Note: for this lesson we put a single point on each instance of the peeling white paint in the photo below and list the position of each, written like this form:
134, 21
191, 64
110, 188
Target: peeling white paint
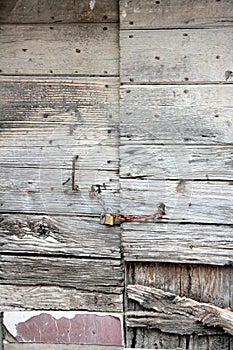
92, 4
124, 13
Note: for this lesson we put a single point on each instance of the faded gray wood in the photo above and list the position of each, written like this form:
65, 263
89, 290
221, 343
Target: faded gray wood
174, 162
38, 346
177, 114
46, 191
33, 11
176, 14
169, 56
34, 49
74, 236
178, 243
75, 101
186, 201
186, 311
96, 275
16, 297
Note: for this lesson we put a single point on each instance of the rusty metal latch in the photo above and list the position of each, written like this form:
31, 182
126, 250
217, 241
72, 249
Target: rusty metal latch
114, 219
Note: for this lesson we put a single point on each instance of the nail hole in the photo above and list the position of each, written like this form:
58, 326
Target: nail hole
186, 79
105, 28
131, 23
78, 50
24, 50
186, 91
128, 174
216, 115
52, 17
106, 85
105, 72
50, 142
131, 79
51, 188
1, 204
109, 131
76, 71
130, 36
217, 57
0, 71
157, 2
110, 116
110, 180
105, 17
129, 136
51, 28
108, 161
128, 91
46, 115
157, 57
185, 34
51, 71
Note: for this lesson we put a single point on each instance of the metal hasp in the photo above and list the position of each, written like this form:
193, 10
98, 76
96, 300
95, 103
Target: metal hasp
114, 219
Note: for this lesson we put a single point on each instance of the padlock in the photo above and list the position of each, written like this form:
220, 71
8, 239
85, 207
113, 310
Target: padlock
107, 219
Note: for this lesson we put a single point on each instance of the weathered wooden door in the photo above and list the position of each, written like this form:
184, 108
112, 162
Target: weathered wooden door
119, 106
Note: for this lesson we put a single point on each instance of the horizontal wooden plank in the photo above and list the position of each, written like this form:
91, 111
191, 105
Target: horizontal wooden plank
96, 275
34, 49
177, 114
174, 162
176, 14
177, 243
49, 191
61, 235
76, 101
33, 11
57, 135
95, 157
57, 298
169, 56
186, 201
189, 316
39, 346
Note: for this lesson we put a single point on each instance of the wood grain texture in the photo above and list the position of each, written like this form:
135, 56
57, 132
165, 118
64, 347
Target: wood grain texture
83, 49
192, 315
27, 11
89, 101
83, 237
200, 282
96, 275
178, 243
45, 191
177, 114
16, 297
173, 162
176, 14
169, 56
186, 201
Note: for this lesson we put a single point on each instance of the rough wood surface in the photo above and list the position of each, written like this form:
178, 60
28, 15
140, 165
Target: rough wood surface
200, 282
34, 49
16, 297
176, 14
186, 201
178, 243
61, 235
76, 101
177, 114
96, 275
43, 11
170, 56
35, 190
184, 309
174, 162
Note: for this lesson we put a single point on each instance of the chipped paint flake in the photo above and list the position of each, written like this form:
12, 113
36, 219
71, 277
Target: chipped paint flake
92, 4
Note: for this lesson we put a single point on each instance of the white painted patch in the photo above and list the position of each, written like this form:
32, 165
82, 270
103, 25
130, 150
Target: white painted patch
92, 4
